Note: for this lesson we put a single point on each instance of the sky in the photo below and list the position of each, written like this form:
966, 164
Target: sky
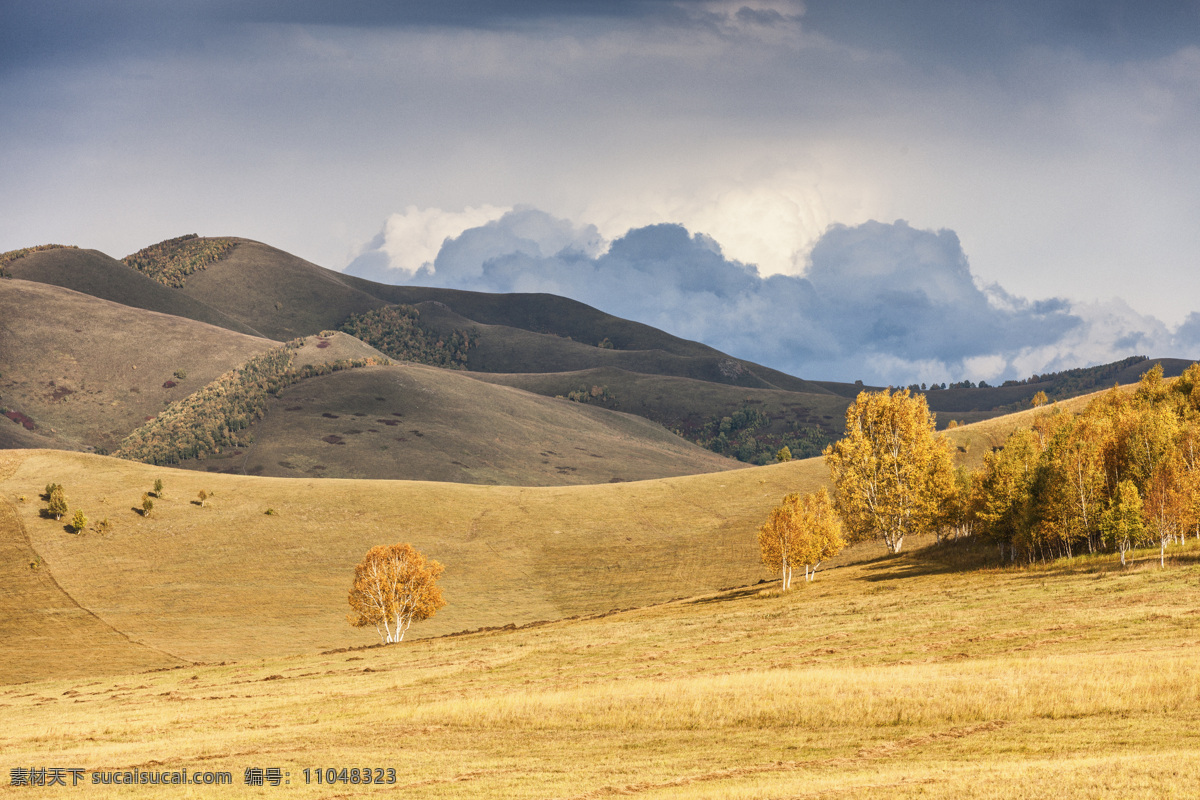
842, 189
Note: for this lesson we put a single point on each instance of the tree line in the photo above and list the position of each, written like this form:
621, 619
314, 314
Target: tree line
8, 258
1122, 473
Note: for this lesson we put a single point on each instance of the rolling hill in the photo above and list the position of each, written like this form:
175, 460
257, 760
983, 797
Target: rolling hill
213, 638
541, 343
94, 273
413, 422
78, 372
227, 580
83, 372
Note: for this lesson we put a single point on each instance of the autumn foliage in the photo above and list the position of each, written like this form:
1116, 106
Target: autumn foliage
891, 473
1124, 472
802, 530
394, 586
397, 331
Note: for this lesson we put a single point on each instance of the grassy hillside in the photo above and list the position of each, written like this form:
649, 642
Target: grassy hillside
235, 582
891, 678
688, 405
78, 372
85, 372
504, 349
279, 294
582, 325
92, 272
415, 422
931, 674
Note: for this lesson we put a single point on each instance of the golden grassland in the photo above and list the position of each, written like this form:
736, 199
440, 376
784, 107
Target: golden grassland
926, 675
892, 677
227, 580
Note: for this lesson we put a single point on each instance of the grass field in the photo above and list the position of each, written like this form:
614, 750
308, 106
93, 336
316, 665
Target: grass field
213, 639
227, 580
898, 677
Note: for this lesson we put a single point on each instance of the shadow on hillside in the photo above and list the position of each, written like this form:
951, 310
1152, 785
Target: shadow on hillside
1106, 563
933, 559
893, 568
731, 594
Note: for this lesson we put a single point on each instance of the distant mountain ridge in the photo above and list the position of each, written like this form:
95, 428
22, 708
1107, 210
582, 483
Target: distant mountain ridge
542, 343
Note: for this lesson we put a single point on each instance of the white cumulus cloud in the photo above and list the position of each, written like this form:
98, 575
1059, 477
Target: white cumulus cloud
888, 303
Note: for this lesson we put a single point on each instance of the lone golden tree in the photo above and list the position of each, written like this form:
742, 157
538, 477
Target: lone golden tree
890, 472
802, 530
56, 501
394, 586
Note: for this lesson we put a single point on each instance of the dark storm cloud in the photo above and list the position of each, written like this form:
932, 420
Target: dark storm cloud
879, 302
940, 31
453, 13
59, 32
979, 33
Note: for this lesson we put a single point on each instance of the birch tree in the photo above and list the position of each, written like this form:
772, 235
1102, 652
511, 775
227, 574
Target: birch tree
821, 532
890, 472
1121, 521
801, 531
56, 501
394, 586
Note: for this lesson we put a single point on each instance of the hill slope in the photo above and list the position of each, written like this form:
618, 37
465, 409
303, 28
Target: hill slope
284, 297
78, 372
413, 422
889, 679
229, 581
86, 371
92, 272
257, 287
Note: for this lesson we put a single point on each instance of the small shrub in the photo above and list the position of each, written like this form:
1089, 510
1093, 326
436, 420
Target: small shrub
180, 374
147, 505
56, 502
79, 521
270, 512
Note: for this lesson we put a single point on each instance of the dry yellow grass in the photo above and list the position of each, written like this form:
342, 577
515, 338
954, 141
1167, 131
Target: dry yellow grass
229, 581
889, 678
972, 442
